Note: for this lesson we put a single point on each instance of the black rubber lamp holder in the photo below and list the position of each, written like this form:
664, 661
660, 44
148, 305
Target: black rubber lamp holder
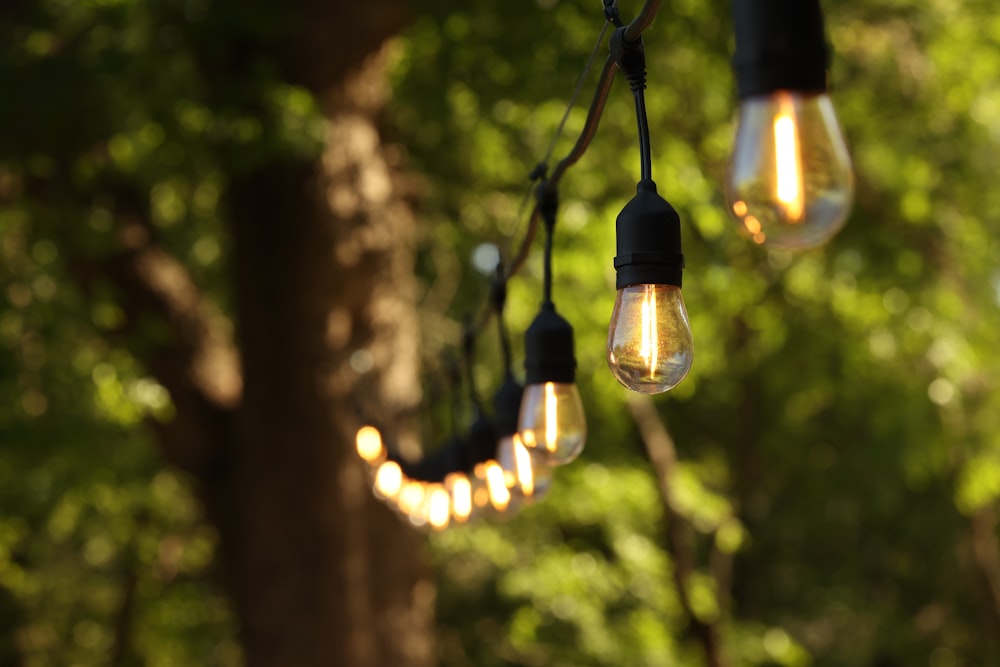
780, 45
648, 232
507, 406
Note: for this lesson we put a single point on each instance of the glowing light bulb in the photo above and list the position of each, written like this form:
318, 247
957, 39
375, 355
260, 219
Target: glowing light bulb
552, 422
496, 486
388, 480
650, 348
438, 507
480, 493
649, 339
790, 183
527, 477
458, 485
410, 500
368, 443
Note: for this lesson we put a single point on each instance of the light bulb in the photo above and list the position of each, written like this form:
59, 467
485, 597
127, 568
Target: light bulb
480, 492
496, 486
411, 502
649, 338
552, 423
790, 183
460, 489
389, 480
650, 348
368, 442
526, 476
438, 507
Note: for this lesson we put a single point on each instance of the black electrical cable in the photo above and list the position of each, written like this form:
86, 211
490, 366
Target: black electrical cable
498, 298
643, 122
482, 435
548, 205
643, 20
631, 34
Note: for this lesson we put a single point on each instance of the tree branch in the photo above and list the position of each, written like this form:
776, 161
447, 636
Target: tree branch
680, 535
196, 360
986, 555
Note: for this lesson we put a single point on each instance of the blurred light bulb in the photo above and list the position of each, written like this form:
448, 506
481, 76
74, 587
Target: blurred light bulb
552, 422
650, 347
527, 477
480, 494
517, 464
460, 489
368, 442
790, 182
496, 486
388, 480
438, 507
411, 497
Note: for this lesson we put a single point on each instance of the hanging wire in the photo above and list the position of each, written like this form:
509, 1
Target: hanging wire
575, 95
540, 170
632, 33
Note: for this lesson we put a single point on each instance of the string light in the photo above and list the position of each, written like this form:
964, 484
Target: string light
650, 347
551, 423
790, 185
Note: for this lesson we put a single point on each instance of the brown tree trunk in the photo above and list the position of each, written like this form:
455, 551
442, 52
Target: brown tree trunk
321, 572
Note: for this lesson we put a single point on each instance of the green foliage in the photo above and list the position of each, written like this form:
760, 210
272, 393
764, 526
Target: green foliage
840, 421
837, 435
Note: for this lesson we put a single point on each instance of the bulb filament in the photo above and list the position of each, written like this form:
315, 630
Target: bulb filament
496, 486
787, 159
551, 415
522, 465
648, 348
439, 508
461, 496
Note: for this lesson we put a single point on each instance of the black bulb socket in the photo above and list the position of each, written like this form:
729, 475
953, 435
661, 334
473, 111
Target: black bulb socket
507, 406
436, 465
548, 349
780, 45
481, 443
648, 232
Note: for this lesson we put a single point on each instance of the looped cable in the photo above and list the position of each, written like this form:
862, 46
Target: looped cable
611, 13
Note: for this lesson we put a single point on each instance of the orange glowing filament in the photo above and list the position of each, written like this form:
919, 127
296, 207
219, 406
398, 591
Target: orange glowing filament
438, 507
369, 443
648, 348
522, 464
787, 161
410, 498
461, 496
499, 495
551, 415
388, 479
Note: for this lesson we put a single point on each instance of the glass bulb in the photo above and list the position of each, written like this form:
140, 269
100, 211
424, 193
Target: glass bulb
496, 486
790, 182
368, 442
552, 423
650, 348
527, 478
460, 489
389, 480
411, 502
438, 507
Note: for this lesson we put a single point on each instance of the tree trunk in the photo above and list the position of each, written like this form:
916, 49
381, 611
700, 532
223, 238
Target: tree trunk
320, 571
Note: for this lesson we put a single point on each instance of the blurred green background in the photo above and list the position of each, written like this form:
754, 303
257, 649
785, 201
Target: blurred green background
838, 454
